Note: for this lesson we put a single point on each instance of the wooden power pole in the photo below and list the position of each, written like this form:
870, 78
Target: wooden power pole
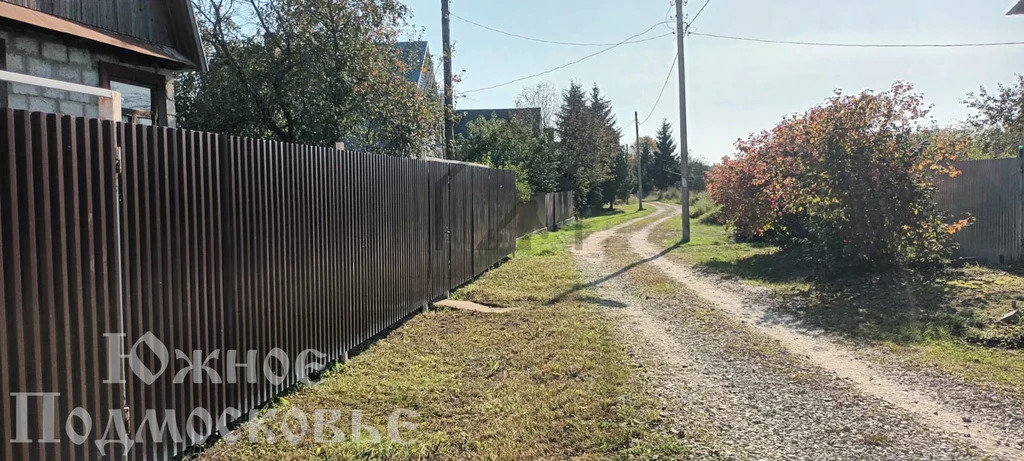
639, 164
684, 154
449, 92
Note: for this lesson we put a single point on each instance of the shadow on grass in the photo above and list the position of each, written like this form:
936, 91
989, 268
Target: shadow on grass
603, 302
583, 286
898, 306
773, 268
603, 212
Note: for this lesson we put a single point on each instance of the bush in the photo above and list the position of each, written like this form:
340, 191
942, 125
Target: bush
670, 195
701, 203
846, 180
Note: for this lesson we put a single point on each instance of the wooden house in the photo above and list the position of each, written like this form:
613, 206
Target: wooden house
131, 46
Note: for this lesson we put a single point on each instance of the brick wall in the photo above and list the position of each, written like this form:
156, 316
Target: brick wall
45, 56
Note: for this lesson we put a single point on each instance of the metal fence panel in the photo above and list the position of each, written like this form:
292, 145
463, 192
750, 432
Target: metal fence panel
212, 243
59, 266
542, 211
992, 191
462, 233
439, 228
531, 216
562, 208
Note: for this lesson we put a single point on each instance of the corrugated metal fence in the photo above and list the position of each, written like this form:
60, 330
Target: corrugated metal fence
562, 208
993, 192
544, 211
193, 241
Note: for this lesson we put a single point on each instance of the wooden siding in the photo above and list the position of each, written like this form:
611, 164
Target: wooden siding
148, 20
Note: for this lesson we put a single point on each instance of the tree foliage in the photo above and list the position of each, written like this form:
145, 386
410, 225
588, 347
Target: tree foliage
998, 121
621, 181
846, 179
665, 164
588, 142
543, 96
696, 174
648, 146
308, 71
512, 144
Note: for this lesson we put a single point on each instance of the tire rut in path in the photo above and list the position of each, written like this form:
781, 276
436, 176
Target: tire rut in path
756, 409
745, 304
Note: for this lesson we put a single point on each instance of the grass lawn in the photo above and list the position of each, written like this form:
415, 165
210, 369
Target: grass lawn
541, 382
945, 320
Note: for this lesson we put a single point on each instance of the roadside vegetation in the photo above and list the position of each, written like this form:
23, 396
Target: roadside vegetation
544, 381
945, 318
833, 209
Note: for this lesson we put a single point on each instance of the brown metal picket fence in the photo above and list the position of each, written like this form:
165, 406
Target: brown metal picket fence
209, 243
544, 211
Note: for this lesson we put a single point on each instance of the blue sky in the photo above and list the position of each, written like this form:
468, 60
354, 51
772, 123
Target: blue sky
734, 88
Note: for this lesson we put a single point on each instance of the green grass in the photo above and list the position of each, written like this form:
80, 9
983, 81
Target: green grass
712, 247
943, 320
547, 381
552, 242
701, 204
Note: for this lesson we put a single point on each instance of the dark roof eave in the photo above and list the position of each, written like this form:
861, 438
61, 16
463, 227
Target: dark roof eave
196, 39
1017, 9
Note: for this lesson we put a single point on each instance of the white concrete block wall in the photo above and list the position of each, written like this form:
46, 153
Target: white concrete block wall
45, 56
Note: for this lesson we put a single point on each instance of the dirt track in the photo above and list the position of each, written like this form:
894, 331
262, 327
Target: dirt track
812, 398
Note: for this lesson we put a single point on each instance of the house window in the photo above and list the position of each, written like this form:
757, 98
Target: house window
143, 94
136, 102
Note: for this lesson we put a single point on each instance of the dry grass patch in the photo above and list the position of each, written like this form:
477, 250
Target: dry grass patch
548, 381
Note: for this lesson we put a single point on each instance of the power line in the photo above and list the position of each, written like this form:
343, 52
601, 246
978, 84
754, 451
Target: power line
668, 13
858, 45
563, 66
663, 86
690, 24
553, 42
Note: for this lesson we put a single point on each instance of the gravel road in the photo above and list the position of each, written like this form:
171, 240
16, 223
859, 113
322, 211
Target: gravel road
744, 383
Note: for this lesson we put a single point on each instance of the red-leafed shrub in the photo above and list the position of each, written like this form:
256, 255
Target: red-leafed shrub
851, 179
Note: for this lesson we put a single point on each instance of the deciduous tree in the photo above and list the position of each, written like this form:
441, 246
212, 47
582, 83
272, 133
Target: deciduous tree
511, 144
621, 182
998, 119
696, 174
543, 96
846, 179
309, 71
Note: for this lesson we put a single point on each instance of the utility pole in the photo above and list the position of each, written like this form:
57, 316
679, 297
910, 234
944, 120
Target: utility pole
639, 164
449, 92
684, 154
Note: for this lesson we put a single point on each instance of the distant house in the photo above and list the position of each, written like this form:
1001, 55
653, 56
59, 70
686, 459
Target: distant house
419, 65
1017, 9
530, 115
131, 46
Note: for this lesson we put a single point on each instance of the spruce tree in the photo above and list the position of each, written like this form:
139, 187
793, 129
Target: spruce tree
604, 146
571, 126
665, 163
588, 142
